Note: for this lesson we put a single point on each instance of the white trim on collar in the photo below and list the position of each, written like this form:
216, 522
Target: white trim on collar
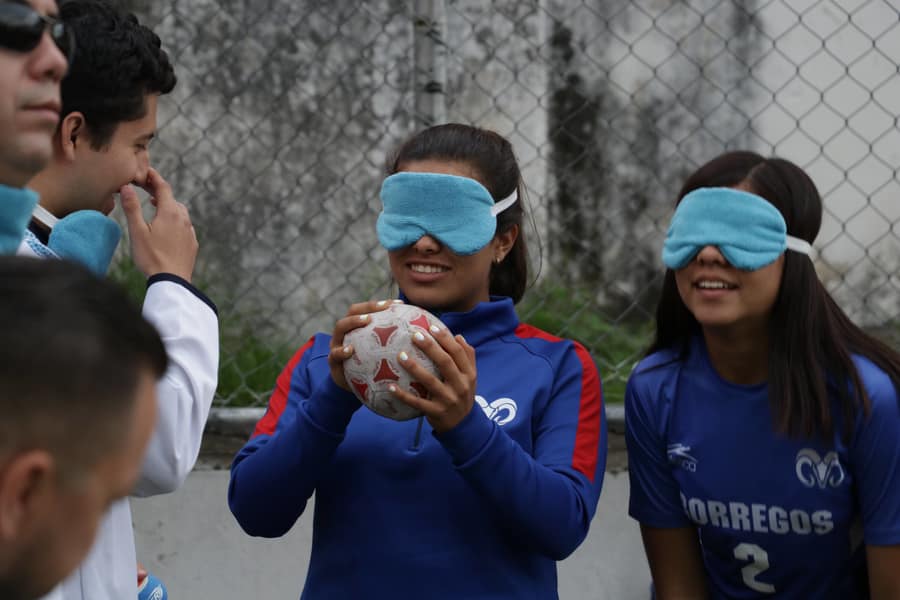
44, 216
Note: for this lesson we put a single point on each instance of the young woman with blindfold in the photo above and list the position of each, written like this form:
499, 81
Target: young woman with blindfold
470, 501
763, 426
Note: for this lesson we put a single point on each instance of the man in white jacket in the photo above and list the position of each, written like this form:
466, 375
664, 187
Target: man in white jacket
100, 149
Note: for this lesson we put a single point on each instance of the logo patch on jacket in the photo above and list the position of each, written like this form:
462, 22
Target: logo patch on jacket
501, 411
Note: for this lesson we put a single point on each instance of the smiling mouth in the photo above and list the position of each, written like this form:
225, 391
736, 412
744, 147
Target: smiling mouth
714, 285
427, 269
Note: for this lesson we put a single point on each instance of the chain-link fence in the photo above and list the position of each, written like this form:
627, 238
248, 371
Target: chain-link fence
277, 133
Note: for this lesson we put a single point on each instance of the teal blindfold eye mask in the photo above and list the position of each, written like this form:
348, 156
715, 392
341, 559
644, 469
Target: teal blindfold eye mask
458, 211
747, 229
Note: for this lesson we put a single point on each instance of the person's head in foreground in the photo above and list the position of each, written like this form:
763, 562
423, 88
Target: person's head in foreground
452, 218
109, 101
78, 372
33, 50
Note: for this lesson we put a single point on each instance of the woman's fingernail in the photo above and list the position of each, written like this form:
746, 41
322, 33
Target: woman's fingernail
403, 357
392, 388
434, 329
419, 337
347, 350
398, 301
381, 303
363, 318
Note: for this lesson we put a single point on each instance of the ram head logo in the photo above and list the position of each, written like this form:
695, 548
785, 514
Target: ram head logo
812, 470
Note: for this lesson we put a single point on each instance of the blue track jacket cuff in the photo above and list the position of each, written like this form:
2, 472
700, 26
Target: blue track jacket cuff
331, 407
467, 439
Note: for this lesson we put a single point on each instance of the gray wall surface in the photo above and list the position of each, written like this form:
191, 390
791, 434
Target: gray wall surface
190, 540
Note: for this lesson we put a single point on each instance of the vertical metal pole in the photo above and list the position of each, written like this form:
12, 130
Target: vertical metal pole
430, 54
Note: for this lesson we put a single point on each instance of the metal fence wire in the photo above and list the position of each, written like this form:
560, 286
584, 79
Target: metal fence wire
277, 133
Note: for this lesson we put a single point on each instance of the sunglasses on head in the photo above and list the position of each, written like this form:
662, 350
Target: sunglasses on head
22, 27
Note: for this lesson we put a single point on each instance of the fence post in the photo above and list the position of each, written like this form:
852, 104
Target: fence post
429, 54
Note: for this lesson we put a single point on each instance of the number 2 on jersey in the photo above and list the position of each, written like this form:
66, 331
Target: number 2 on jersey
759, 562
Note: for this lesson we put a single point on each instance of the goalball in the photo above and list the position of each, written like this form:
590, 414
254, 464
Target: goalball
374, 366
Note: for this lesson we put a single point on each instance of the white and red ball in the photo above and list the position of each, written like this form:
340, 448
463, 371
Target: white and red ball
374, 365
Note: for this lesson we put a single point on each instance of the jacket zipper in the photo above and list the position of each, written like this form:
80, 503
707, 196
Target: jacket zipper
417, 440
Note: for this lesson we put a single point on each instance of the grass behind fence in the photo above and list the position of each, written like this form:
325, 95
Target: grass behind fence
573, 313
249, 364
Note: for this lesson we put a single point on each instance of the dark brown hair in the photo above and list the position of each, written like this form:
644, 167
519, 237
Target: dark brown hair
119, 62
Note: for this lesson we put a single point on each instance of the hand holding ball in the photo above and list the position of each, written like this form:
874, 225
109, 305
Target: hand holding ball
374, 366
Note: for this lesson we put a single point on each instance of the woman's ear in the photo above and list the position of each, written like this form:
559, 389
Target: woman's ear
504, 242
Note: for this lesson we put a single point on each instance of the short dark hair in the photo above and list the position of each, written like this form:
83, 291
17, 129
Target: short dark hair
492, 157
73, 349
810, 338
119, 62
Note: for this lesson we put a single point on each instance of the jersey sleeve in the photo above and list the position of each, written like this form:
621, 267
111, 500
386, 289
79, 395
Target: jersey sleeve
655, 499
547, 500
876, 460
187, 322
276, 472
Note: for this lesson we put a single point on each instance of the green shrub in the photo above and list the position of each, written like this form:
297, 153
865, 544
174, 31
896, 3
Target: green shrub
248, 365
123, 272
616, 345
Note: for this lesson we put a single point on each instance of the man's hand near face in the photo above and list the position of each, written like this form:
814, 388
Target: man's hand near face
168, 243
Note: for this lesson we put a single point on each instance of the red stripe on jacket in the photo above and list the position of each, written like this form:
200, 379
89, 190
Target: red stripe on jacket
587, 435
269, 421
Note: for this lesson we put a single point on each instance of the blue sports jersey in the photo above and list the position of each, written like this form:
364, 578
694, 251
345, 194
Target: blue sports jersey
777, 516
483, 510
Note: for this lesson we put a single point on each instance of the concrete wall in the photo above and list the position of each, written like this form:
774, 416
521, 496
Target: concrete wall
190, 540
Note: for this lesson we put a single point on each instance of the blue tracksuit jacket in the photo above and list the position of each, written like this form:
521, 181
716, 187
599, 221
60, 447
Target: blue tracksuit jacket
482, 511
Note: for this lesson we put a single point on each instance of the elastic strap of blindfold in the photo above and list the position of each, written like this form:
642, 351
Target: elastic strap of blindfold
499, 207
798, 245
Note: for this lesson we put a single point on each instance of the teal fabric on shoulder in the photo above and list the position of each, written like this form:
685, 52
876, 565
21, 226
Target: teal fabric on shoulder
16, 205
747, 229
88, 237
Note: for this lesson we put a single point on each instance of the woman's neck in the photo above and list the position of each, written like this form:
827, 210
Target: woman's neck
739, 357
